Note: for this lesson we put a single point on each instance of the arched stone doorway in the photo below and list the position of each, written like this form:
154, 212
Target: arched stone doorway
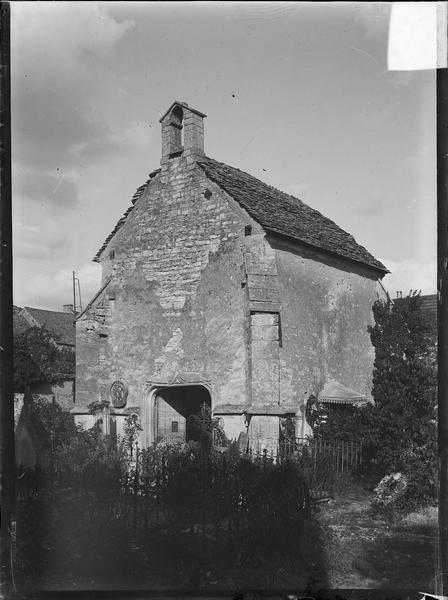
170, 408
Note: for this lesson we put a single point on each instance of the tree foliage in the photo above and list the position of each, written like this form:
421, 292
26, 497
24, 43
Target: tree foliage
57, 425
404, 385
206, 429
38, 359
398, 432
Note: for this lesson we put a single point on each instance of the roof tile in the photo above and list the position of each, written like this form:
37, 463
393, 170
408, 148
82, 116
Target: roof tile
276, 211
285, 215
60, 325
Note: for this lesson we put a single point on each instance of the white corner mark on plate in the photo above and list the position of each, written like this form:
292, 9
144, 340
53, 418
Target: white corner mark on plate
417, 36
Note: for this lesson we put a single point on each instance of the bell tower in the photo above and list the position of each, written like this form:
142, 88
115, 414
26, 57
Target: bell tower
182, 132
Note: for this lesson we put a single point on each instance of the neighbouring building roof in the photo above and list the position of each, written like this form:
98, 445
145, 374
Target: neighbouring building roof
336, 393
277, 212
60, 325
429, 305
20, 324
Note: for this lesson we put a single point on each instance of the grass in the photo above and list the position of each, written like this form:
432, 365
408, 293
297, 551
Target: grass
363, 551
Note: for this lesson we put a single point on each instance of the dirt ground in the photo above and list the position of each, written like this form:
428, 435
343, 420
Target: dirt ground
366, 552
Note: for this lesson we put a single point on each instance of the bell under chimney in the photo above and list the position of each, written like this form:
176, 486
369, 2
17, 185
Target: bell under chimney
182, 132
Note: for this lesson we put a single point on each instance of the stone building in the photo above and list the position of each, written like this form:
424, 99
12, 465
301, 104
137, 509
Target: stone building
220, 289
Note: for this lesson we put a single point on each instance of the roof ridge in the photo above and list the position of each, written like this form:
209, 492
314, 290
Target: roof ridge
60, 312
277, 211
95, 297
279, 191
273, 208
253, 177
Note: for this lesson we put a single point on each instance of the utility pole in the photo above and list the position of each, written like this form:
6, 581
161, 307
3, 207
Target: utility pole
74, 292
77, 308
7, 459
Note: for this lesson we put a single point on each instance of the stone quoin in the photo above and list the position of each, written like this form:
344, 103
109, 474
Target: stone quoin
220, 289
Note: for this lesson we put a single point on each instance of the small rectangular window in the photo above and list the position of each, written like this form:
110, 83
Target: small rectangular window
174, 426
112, 254
248, 230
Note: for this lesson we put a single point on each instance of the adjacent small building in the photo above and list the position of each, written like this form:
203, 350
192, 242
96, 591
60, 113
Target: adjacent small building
220, 289
32, 437
60, 326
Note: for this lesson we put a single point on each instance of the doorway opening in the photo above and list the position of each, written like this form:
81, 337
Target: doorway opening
180, 412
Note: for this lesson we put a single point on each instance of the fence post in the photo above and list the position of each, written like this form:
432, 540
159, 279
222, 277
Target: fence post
136, 482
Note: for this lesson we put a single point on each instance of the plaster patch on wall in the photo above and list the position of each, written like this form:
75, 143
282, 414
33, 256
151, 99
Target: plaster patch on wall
173, 348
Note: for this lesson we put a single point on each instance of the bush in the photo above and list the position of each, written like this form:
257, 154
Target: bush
389, 493
95, 490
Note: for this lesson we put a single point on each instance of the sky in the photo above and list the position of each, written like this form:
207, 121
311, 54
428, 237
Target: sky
297, 94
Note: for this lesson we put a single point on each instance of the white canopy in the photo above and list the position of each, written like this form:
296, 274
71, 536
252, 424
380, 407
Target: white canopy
336, 393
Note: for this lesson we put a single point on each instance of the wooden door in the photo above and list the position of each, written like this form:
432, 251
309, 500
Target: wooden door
170, 424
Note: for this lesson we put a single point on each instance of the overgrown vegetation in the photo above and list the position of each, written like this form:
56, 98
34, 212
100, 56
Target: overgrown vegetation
398, 432
38, 359
173, 515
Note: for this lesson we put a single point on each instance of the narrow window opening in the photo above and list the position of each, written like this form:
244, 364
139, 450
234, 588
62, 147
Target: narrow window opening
280, 336
176, 131
112, 254
174, 426
248, 230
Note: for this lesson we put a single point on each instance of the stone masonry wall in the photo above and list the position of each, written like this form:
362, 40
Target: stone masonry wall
175, 300
190, 294
326, 310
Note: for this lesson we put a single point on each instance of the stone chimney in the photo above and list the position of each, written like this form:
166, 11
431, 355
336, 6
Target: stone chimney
182, 132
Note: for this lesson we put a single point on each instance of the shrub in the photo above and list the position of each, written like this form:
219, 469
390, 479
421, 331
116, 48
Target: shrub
222, 501
389, 492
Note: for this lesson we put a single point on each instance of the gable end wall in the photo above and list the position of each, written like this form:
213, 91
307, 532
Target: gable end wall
176, 301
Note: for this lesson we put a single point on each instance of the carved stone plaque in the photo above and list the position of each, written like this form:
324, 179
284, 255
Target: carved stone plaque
119, 394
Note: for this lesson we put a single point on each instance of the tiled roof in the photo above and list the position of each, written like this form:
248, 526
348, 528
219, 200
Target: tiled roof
285, 215
112, 233
60, 325
276, 211
429, 305
122, 219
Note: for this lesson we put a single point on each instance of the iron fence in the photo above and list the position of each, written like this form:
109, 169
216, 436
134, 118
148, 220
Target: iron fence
343, 455
215, 494
211, 495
